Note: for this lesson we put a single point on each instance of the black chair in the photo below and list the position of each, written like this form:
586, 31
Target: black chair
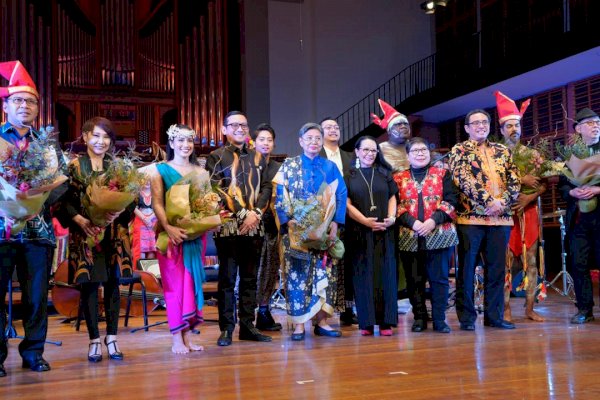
132, 280
125, 281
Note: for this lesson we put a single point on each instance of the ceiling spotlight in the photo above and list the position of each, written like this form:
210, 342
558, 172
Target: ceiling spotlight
428, 7
441, 3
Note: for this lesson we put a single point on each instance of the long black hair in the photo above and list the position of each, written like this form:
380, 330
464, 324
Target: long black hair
379, 160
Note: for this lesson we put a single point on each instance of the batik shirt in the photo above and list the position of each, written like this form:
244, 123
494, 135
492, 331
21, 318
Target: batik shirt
241, 174
484, 172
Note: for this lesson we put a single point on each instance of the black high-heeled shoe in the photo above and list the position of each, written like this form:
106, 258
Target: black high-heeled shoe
113, 355
96, 355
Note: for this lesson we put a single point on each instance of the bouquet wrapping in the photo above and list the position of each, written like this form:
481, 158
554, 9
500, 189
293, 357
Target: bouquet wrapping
313, 214
111, 192
584, 172
29, 171
191, 204
535, 160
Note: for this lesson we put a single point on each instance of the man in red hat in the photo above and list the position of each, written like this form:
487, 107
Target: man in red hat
524, 236
32, 249
398, 129
583, 228
394, 152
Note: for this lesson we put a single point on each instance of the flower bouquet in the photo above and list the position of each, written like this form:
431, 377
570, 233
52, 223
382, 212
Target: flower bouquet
313, 214
582, 170
192, 204
536, 160
29, 171
529, 161
112, 191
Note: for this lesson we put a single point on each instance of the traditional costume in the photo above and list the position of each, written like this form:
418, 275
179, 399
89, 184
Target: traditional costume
523, 244
427, 193
310, 284
181, 272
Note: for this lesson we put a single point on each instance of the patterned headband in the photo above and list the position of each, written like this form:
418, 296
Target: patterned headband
174, 132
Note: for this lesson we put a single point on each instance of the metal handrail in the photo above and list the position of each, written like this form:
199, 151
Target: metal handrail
412, 80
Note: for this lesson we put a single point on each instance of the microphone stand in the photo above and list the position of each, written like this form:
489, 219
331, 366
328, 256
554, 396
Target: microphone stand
568, 288
11, 332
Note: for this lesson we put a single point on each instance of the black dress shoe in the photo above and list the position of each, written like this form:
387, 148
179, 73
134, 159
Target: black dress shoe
329, 333
348, 318
467, 326
224, 339
298, 337
419, 325
251, 333
441, 326
582, 317
37, 365
2, 371
265, 321
502, 324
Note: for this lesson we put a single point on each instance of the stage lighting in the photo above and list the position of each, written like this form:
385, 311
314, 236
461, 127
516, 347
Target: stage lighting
441, 3
428, 7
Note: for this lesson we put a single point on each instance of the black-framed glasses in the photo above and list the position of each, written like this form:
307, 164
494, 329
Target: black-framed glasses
237, 125
483, 122
17, 101
422, 150
369, 151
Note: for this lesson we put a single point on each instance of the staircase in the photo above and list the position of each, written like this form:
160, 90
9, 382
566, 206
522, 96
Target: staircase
499, 51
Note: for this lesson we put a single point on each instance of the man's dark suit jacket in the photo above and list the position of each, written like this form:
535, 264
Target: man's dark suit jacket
347, 159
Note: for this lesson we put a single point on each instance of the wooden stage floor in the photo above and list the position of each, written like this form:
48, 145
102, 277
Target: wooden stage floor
550, 360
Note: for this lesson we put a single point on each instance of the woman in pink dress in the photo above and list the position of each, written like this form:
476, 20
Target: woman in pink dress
181, 270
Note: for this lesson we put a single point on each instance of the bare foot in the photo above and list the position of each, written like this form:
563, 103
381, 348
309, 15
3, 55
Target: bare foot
532, 315
529, 313
179, 346
187, 340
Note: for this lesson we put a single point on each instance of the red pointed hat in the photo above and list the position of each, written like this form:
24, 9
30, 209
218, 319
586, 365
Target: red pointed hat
390, 116
18, 79
507, 109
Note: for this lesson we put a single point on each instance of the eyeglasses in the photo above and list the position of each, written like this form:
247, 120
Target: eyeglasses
483, 122
332, 127
419, 151
369, 151
236, 126
19, 100
592, 122
310, 139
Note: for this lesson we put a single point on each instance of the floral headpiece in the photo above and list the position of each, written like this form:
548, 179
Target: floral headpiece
174, 132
